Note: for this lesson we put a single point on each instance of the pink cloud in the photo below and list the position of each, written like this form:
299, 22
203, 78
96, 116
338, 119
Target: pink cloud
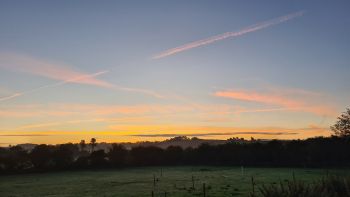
47, 69
61, 72
286, 102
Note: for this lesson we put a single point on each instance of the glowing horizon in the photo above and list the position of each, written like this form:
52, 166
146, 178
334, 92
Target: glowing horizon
88, 73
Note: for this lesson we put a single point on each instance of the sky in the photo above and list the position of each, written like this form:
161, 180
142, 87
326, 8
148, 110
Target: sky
124, 71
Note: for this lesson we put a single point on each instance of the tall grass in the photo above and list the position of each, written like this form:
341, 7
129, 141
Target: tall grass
331, 186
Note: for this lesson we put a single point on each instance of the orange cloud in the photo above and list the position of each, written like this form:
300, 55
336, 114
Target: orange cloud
287, 103
79, 121
66, 110
219, 131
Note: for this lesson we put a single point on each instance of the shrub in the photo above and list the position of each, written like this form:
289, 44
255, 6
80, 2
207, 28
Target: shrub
326, 187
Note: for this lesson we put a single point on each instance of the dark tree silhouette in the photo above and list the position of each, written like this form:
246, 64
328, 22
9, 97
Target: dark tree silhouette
342, 127
82, 145
147, 155
312, 152
64, 155
92, 144
98, 159
14, 159
41, 156
173, 155
117, 155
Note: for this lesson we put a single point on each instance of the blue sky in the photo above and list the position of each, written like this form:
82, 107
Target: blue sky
296, 70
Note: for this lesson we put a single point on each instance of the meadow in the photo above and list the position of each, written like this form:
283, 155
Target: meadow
163, 181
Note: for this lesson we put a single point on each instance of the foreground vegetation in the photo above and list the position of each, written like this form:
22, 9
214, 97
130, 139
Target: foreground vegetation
138, 182
329, 186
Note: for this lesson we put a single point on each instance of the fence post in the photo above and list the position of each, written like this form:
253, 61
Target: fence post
152, 193
192, 181
203, 189
154, 180
294, 177
253, 185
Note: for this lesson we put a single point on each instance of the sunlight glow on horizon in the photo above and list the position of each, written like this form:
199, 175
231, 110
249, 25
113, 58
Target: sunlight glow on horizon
88, 73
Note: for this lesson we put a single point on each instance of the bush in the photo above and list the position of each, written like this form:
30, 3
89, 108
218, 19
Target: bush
326, 187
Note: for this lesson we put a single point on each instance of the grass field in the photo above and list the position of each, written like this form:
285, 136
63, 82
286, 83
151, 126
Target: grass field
138, 182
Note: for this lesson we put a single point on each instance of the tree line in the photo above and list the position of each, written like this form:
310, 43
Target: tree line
313, 152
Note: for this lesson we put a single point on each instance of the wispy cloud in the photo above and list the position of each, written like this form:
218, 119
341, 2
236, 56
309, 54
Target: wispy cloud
215, 134
224, 132
80, 121
24, 135
64, 73
93, 110
11, 96
61, 72
82, 77
223, 36
139, 90
286, 102
125, 131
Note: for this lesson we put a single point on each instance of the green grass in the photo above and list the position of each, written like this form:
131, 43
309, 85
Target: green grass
138, 182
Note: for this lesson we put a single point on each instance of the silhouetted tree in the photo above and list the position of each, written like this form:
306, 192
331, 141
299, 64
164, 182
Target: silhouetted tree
41, 156
117, 155
173, 155
14, 159
312, 152
81, 163
92, 144
146, 155
82, 145
3, 155
98, 159
342, 127
64, 155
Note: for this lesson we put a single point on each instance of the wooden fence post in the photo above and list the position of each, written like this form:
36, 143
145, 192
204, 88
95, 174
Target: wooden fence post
294, 177
204, 190
253, 185
154, 180
192, 181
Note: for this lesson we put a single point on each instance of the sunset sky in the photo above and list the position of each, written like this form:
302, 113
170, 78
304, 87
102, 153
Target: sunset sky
149, 70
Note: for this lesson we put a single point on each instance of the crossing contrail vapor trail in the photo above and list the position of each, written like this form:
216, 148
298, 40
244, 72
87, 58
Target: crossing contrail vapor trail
10, 97
82, 77
219, 37
52, 85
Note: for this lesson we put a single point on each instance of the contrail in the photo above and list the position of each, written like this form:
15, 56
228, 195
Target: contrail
138, 90
52, 85
10, 97
43, 68
63, 73
82, 77
219, 37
